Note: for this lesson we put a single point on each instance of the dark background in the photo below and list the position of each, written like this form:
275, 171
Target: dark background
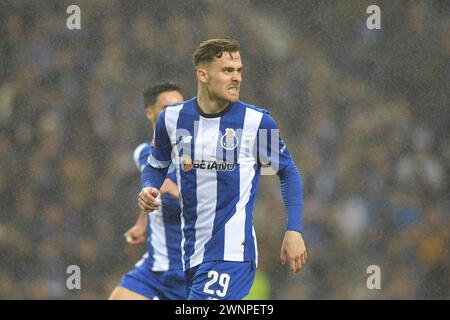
364, 114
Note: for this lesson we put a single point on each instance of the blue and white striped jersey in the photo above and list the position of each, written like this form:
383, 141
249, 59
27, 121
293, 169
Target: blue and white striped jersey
164, 224
218, 161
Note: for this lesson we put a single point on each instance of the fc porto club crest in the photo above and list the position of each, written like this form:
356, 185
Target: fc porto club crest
229, 140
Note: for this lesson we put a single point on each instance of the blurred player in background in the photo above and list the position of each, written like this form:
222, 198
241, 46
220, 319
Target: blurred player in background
159, 274
218, 145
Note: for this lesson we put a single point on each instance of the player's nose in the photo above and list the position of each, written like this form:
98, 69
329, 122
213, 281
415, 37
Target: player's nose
237, 77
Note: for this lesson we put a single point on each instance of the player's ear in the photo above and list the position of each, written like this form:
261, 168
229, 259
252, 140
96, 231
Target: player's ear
149, 113
202, 75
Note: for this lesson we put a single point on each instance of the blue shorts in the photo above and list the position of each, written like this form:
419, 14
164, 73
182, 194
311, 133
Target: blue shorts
220, 280
167, 285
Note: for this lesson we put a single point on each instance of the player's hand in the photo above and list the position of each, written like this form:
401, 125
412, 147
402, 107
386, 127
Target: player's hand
136, 234
147, 199
293, 250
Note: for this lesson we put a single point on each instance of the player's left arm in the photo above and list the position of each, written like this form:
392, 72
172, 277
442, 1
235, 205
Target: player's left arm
273, 152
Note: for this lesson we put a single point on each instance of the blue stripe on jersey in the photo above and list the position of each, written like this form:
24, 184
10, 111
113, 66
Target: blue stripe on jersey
170, 203
150, 259
186, 120
172, 224
249, 251
227, 184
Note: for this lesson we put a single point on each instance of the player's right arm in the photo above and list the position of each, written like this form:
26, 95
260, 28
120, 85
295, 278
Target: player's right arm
155, 170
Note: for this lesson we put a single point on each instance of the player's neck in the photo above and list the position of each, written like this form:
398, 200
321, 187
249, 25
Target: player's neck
209, 105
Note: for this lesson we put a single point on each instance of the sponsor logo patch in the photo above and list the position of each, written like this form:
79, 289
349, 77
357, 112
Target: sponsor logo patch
187, 164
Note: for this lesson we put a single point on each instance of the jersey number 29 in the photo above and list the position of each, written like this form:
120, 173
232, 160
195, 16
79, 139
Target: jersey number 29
224, 281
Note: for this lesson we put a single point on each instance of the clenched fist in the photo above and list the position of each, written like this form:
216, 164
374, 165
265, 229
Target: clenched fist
147, 199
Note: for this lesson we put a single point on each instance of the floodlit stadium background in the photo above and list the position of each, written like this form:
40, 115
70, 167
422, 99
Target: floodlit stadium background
365, 114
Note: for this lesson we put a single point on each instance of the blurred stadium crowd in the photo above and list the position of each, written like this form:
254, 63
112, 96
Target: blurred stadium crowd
365, 114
